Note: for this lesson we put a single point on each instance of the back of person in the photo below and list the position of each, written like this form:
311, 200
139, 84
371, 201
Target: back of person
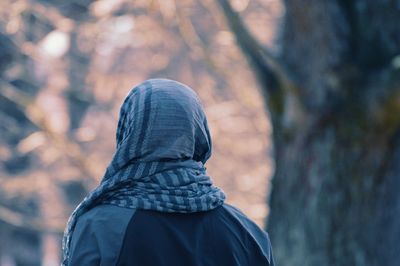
216, 237
223, 236
156, 204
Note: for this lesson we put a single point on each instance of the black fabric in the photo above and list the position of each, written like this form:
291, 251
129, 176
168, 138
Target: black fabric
218, 237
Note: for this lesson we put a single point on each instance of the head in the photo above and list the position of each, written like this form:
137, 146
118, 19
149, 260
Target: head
163, 120
162, 143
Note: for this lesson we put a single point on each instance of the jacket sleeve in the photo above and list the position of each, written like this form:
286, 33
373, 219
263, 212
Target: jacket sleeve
84, 248
98, 236
271, 257
258, 238
272, 263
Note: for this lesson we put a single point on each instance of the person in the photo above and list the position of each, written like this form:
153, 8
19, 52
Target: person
156, 205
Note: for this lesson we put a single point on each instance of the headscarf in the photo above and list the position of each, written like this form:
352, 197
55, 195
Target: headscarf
163, 142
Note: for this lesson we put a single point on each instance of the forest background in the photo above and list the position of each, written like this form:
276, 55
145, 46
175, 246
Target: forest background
65, 67
303, 100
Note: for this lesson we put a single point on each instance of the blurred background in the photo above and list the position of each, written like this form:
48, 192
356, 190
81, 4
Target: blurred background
66, 66
303, 102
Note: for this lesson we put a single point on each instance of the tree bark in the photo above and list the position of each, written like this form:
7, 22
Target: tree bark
335, 192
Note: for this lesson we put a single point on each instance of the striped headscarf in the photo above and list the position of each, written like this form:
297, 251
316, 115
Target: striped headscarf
163, 142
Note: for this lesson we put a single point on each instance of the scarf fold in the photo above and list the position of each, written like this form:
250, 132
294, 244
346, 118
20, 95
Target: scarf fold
163, 142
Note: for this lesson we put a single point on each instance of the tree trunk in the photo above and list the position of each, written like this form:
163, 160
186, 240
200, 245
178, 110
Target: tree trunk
333, 96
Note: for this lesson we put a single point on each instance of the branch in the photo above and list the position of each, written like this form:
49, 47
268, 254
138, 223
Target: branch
35, 114
194, 42
29, 223
273, 79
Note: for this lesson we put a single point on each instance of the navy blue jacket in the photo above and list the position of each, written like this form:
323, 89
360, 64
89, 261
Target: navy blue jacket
110, 235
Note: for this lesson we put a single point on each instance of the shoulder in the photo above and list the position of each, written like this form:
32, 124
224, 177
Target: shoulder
258, 236
243, 219
105, 213
99, 234
105, 222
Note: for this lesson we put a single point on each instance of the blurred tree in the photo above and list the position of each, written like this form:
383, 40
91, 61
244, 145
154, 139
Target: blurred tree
333, 95
16, 226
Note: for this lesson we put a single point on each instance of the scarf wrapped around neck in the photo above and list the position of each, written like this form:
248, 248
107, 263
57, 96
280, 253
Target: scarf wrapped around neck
163, 142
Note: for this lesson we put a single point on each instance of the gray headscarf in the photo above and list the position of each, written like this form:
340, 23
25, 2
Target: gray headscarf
163, 142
